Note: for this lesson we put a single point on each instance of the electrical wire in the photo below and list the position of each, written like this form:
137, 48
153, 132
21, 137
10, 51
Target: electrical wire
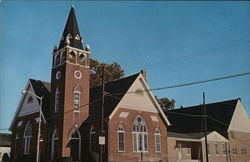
160, 88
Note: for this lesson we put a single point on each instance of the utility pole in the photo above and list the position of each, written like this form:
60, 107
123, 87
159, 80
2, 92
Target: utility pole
39, 123
205, 126
102, 114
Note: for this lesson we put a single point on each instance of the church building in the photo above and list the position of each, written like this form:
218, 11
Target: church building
120, 121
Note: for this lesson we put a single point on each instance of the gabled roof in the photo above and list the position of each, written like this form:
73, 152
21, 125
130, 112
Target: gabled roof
41, 89
220, 111
118, 87
71, 30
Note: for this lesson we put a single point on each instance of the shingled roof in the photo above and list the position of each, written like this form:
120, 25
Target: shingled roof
220, 111
118, 87
42, 89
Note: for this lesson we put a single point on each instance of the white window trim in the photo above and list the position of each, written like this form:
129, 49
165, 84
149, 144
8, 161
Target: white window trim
77, 90
224, 149
144, 149
91, 132
53, 144
57, 100
155, 135
209, 149
55, 58
27, 139
118, 140
72, 132
216, 151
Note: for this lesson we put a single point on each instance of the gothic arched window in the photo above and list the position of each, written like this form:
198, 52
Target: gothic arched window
63, 57
16, 142
27, 138
140, 136
92, 139
77, 94
57, 100
75, 145
54, 145
57, 60
82, 59
72, 57
121, 138
157, 135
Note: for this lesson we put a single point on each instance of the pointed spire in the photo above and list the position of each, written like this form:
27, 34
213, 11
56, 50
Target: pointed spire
71, 32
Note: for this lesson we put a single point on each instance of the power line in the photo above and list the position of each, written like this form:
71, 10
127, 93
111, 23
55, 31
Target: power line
56, 116
186, 84
155, 89
188, 56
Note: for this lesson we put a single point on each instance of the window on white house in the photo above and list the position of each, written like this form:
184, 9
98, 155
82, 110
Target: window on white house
54, 146
216, 146
208, 149
188, 149
77, 94
27, 138
140, 136
157, 135
57, 100
224, 149
121, 138
75, 145
92, 140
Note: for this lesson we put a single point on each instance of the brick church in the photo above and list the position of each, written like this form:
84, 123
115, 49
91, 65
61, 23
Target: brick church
134, 128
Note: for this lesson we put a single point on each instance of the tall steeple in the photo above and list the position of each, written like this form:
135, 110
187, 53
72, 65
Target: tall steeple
71, 35
69, 89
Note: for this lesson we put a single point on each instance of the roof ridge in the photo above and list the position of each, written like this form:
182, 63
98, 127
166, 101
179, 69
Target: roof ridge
39, 80
113, 81
211, 103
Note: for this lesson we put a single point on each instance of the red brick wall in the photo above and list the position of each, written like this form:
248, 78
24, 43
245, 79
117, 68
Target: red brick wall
239, 140
129, 155
70, 119
17, 147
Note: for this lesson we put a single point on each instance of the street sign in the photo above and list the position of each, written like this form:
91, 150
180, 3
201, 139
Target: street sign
101, 140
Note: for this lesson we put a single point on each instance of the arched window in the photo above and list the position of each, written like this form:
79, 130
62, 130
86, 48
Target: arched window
157, 135
16, 142
72, 57
82, 59
57, 100
77, 94
27, 138
121, 139
63, 57
54, 145
75, 145
140, 136
30, 99
92, 140
57, 60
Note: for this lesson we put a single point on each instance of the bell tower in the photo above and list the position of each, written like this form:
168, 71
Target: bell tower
69, 86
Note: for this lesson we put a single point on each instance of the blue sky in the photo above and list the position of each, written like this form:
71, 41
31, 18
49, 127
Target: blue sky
175, 42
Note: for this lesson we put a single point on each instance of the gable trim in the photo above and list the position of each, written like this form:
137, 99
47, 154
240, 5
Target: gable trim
150, 95
20, 104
